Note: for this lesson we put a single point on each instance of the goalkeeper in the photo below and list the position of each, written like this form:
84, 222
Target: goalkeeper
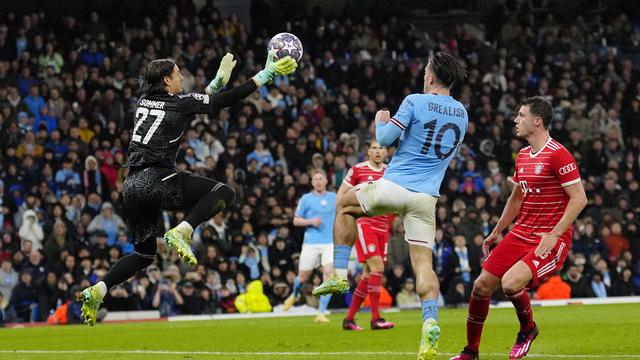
153, 184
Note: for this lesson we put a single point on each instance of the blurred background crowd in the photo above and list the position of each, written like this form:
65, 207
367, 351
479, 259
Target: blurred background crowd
68, 85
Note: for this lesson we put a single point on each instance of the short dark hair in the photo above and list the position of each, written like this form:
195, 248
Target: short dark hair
152, 81
447, 69
538, 106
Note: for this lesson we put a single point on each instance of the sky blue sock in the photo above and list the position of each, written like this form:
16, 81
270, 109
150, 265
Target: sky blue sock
430, 309
341, 255
296, 286
324, 303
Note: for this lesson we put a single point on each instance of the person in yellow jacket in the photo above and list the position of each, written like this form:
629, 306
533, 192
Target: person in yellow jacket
254, 300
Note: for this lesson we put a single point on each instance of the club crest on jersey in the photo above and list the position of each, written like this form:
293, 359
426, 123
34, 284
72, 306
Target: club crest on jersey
538, 168
370, 178
371, 248
323, 202
521, 170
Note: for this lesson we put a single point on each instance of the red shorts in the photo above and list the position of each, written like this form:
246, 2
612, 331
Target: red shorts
371, 242
511, 250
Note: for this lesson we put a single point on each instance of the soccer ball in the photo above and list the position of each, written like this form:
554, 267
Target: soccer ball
286, 44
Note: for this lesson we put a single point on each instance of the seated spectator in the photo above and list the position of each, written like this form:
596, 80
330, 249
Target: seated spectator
598, 287
408, 298
192, 302
24, 298
109, 222
616, 242
30, 230
579, 284
623, 286
167, 298
8, 280
67, 180
458, 293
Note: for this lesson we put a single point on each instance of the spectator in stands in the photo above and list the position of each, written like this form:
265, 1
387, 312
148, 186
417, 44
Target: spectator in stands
623, 286
578, 283
109, 222
598, 287
408, 298
8, 279
24, 298
167, 298
30, 230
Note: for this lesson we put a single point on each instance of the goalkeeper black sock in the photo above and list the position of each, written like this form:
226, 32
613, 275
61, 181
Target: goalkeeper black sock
127, 267
210, 204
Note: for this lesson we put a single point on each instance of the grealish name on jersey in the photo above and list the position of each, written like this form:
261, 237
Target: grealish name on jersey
447, 110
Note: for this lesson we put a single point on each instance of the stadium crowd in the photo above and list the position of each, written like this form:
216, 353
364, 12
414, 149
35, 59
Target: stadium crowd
68, 93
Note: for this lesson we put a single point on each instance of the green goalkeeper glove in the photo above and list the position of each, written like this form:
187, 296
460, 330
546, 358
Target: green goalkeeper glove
222, 76
284, 66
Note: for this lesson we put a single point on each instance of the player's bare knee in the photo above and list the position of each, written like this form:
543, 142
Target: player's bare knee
482, 286
375, 264
511, 285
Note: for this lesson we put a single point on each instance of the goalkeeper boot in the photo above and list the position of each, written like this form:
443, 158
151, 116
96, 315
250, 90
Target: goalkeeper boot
289, 302
523, 343
180, 241
91, 300
429, 342
333, 285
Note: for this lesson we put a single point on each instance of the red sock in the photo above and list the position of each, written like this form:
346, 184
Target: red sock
375, 285
522, 302
358, 297
478, 310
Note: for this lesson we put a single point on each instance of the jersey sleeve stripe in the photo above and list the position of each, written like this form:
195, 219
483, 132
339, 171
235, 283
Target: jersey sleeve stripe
398, 123
347, 183
571, 182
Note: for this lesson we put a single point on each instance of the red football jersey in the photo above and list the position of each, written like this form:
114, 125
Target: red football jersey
362, 173
542, 177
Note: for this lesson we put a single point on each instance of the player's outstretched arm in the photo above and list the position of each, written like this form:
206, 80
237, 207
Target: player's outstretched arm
207, 104
284, 66
222, 76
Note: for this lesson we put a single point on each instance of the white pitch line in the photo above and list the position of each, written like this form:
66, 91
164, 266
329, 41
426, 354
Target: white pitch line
303, 353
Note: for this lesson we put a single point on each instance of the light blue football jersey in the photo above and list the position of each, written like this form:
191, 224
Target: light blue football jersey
433, 130
323, 206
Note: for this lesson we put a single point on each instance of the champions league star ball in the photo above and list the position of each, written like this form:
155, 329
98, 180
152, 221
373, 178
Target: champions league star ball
286, 44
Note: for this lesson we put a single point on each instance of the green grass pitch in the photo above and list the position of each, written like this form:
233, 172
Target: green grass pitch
570, 332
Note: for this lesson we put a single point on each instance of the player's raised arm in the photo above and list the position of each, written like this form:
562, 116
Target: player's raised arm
205, 103
223, 75
388, 128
